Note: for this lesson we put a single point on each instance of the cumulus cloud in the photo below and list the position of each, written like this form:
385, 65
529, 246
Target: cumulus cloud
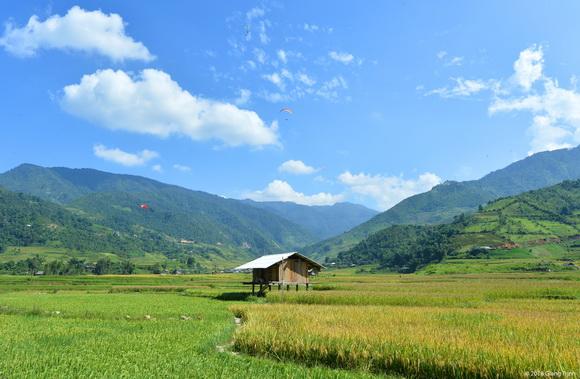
78, 30
528, 67
341, 57
387, 191
122, 157
182, 168
296, 167
152, 103
157, 168
555, 115
554, 110
279, 190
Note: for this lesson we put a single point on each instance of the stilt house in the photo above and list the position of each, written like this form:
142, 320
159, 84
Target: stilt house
281, 269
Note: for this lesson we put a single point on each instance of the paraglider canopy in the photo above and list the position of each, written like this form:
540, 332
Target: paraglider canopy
144, 206
287, 110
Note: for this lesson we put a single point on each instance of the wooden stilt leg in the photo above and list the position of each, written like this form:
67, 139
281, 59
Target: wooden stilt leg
253, 288
287, 287
296, 287
307, 284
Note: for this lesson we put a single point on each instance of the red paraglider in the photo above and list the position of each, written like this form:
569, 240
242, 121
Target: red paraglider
144, 206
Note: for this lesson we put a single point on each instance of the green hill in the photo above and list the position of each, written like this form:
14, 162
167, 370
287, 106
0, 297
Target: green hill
33, 230
322, 221
544, 221
113, 200
29, 221
450, 199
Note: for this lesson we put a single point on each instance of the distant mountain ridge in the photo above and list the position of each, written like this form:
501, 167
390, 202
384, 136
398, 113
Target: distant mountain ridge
450, 199
113, 200
321, 221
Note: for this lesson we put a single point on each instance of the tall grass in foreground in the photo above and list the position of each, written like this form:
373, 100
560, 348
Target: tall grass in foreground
487, 326
497, 341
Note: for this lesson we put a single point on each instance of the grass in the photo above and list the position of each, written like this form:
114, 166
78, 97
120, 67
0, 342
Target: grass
99, 334
353, 325
491, 325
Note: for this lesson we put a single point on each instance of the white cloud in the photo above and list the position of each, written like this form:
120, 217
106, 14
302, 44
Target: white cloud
244, 97
317, 28
555, 110
282, 56
462, 88
387, 191
122, 157
262, 29
260, 55
455, 61
447, 60
279, 190
305, 79
255, 13
556, 115
275, 79
341, 57
182, 168
546, 136
152, 103
296, 167
274, 97
157, 168
329, 89
528, 67
78, 30
311, 27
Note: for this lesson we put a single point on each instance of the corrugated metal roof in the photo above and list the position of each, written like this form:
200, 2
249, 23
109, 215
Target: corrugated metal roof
266, 261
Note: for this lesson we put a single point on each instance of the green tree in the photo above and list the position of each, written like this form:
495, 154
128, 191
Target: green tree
127, 267
103, 266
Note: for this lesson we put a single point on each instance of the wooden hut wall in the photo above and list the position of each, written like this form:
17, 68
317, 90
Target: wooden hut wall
269, 274
295, 271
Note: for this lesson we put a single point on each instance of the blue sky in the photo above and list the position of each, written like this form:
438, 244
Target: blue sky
387, 98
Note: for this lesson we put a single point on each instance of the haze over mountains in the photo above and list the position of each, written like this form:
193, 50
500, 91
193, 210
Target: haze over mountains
323, 221
450, 199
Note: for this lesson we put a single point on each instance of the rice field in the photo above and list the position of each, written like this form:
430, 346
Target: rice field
480, 326
350, 326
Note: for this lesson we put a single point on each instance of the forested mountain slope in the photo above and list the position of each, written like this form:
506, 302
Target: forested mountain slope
450, 199
548, 215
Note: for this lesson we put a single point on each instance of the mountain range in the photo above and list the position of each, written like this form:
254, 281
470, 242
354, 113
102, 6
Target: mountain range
141, 209
323, 221
513, 225
447, 200
91, 210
